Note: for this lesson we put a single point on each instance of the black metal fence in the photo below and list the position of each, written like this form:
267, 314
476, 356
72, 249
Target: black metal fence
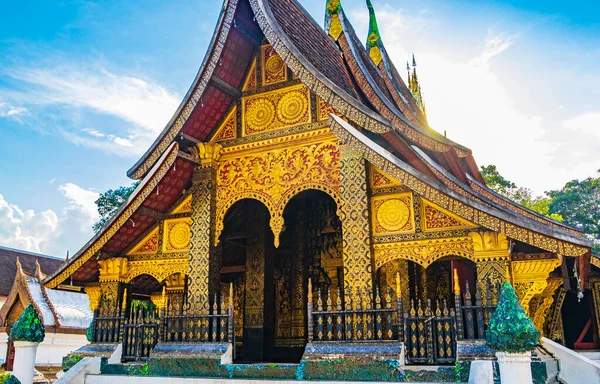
429, 331
140, 334
109, 320
190, 325
142, 328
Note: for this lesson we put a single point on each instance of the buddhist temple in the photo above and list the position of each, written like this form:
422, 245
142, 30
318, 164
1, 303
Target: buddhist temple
299, 202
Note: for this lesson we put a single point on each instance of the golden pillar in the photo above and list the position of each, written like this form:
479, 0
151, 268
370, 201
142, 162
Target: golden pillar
202, 250
492, 257
392, 270
298, 276
113, 272
355, 222
595, 288
530, 274
540, 305
259, 283
94, 293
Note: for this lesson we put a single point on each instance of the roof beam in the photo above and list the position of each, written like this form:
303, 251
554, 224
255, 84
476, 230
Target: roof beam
189, 138
188, 157
150, 213
224, 87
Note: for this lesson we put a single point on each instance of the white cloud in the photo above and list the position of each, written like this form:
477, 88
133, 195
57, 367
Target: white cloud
495, 44
144, 105
46, 232
81, 201
93, 132
123, 142
11, 111
26, 229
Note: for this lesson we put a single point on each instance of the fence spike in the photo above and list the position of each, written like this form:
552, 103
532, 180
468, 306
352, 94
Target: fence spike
456, 282
398, 284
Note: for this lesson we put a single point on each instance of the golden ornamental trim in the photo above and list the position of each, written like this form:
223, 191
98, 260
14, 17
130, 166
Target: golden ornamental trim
207, 153
275, 175
93, 292
160, 269
423, 252
113, 269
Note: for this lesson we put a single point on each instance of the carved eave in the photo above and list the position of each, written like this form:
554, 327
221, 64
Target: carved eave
511, 224
162, 187
502, 201
216, 86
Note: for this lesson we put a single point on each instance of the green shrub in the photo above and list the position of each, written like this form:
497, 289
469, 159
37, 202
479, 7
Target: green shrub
29, 327
510, 329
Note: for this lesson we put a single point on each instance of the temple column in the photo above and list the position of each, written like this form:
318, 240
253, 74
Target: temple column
540, 305
492, 257
113, 273
94, 293
594, 282
553, 326
355, 222
259, 283
298, 276
202, 250
400, 268
530, 276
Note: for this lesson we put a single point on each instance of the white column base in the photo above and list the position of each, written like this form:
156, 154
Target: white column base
515, 368
481, 372
24, 365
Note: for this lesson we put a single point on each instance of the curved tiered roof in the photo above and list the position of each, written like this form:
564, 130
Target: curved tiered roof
360, 82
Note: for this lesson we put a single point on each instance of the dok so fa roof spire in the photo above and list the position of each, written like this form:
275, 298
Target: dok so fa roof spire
414, 86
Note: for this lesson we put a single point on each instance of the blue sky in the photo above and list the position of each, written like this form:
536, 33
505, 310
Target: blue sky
85, 86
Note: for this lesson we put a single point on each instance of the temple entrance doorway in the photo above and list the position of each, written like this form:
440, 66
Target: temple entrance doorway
270, 284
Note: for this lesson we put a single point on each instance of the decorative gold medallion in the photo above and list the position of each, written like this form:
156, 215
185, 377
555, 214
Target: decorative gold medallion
274, 69
260, 113
177, 235
292, 107
393, 214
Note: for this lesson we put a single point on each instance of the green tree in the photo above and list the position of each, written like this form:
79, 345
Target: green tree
110, 202
520, 195
496, 181
578, 202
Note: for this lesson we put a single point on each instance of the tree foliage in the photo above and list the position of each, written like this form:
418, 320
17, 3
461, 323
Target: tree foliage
109, 203
578, 202
520, 195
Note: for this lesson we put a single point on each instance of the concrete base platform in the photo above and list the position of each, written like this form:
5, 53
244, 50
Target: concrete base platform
110, 379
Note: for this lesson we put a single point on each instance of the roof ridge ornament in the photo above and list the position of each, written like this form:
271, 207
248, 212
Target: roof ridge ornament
415, 87
374, 37
333, 26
